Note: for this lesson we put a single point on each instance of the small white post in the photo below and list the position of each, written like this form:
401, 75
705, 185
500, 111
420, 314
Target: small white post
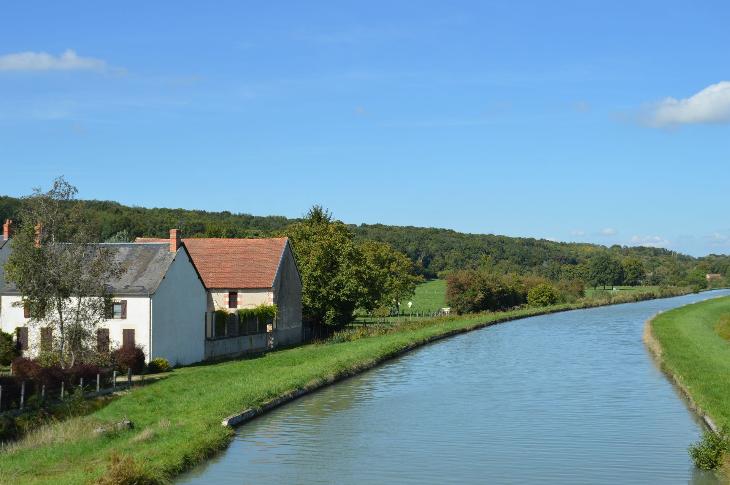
114, 380
61, 390
81, 384
22, 394
43, 392
98, 381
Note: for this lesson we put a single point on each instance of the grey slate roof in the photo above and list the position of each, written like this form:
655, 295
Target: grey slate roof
145, 265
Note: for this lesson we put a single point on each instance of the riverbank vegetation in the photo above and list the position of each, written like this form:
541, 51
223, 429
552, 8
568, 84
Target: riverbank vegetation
692, 345
177, 420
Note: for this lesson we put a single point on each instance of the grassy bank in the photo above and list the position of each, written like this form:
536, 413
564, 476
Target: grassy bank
177, 421
689, 343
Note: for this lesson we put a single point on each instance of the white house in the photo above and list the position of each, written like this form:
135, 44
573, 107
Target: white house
159, 303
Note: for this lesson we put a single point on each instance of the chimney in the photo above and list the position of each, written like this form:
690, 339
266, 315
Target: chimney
174, 240
6, 229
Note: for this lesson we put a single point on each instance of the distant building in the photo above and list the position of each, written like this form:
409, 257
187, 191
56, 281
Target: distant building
713, 276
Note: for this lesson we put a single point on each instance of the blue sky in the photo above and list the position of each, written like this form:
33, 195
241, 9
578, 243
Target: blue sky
605, 122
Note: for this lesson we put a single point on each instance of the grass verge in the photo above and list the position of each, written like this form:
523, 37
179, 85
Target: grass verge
691, 345
177, 421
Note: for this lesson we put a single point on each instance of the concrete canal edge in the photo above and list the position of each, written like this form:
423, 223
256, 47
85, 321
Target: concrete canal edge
655, 350
248, 414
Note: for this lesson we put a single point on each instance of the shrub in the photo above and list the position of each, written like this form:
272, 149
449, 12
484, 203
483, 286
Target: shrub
707, 453
87, 372
470, 291
8, 349
543, 294
25, 369
8, 428
159, 365
127, 358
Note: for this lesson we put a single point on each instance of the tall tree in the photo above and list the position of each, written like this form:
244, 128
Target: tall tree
388, 277
59, 272
604, 270
634, 272
331, 266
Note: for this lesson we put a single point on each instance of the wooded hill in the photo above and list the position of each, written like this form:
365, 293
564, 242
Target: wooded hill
433, 251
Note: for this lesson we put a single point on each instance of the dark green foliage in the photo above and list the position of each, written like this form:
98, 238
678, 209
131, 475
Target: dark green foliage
158, 365
543, 294
604, 270
708, 453
633, 271
8, 428
470, 291
8, 349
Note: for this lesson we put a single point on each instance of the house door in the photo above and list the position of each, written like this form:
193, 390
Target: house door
128, 338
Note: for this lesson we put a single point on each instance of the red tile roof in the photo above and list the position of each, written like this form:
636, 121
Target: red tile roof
234, 263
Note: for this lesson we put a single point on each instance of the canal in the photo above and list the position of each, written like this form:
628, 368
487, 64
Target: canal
565, 398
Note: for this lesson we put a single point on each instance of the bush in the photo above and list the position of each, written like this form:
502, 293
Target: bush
543, 294
8, 349
127, 358
8, 428
707, 453
471, 291
159, 365
25, 369
87, 372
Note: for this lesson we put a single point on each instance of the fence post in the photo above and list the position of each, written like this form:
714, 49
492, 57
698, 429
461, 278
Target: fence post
129, 377
62, 390
22, 394
97, 382
1, 398
81, 384
114, 380
43, 392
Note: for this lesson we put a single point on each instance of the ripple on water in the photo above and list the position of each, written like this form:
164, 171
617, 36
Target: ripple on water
564, 398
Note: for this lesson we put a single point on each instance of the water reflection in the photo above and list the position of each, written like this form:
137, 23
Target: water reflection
565, 398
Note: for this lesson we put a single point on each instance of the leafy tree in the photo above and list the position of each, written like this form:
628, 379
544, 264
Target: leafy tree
59, 273
633, 270
8, 349
331, 266
604, 270
388, 276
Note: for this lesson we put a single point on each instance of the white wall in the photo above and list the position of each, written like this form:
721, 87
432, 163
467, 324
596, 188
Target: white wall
138, 318
178, 314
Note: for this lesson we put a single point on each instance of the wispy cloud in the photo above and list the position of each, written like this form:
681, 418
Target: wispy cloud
718, 240
650, 241
608, 231
711, 105
577, 233
42, 61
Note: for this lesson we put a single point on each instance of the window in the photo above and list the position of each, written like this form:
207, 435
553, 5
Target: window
232, 299
46, 339
118, 310
102, 340
21, 339
128, 338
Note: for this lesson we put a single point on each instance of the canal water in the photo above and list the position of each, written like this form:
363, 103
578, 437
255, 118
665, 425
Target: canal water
565, 398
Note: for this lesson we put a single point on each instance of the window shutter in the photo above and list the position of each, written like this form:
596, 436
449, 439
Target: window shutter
46, 339
124, 309
22, 338
128, 338
102, 340
26, 310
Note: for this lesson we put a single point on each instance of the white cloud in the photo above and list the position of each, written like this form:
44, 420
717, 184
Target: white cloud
711, 105
718, 240
650, 241
577, 233
608, 231
42, 61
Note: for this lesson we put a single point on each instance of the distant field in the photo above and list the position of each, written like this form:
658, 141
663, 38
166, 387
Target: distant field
429, 296
620, 289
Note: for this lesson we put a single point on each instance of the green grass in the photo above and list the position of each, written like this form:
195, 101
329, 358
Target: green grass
177, 420
429, 296
696, 355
